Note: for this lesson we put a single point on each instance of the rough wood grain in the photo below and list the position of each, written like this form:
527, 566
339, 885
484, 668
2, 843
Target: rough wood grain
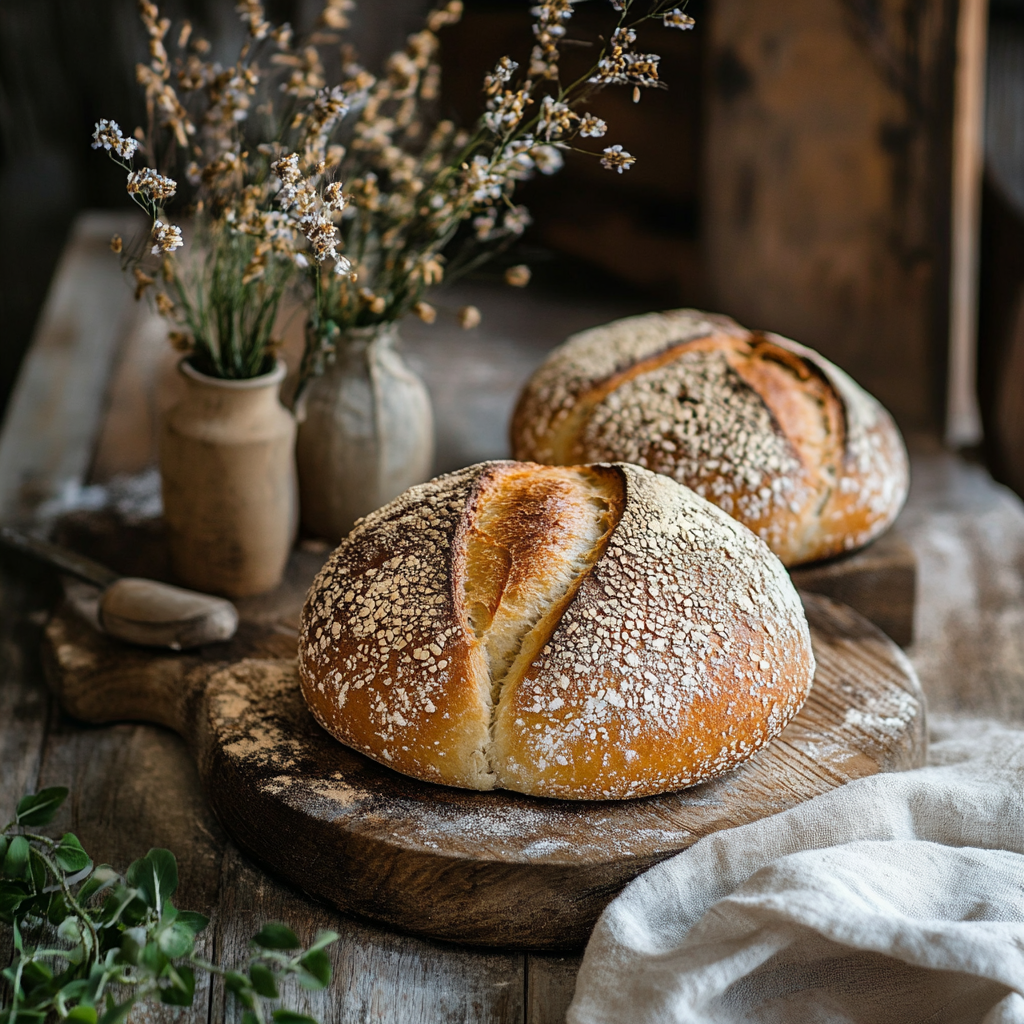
134, 787
483, 868
550, 983
379, 976
23, 699
826, 206
54, 413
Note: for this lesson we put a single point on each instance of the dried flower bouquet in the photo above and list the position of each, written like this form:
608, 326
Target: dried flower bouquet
357, 185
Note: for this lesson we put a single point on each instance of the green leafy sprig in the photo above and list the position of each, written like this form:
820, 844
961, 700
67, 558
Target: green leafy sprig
89, 942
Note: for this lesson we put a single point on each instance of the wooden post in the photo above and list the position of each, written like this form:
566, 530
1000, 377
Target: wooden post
963, 418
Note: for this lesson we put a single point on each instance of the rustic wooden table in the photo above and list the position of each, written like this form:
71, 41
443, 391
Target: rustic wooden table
79, 432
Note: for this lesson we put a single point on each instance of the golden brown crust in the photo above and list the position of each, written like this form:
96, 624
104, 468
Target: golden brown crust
385, 658
767, 429
605, 634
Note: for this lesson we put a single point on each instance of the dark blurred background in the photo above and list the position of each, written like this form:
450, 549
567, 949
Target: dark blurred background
796, 174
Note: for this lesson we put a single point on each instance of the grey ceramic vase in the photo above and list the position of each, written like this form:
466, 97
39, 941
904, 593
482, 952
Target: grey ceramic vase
366, 433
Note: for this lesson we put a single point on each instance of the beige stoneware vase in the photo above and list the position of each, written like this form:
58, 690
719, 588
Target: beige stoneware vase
227, 466
366, 433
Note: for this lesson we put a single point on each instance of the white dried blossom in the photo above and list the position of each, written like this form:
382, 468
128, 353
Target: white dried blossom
108, 136
334, 13
541, 64
592, 127
481, 179
503, 71
553, 11
638, 69
334, 198
615, 158
286, 169
425, 311
517, 220
252, 14
516, 162
342, 266
152, 184
166, 238
469, 317
676, 19
506, 111
518, 276
556, 119
485, 225
322, 236
547, 159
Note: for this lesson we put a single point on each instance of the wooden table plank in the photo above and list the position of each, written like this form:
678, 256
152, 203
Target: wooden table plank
24, 702
54, 415
380, 977
133, 787
550, 983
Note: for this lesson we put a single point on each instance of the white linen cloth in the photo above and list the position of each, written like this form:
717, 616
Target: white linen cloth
897, 898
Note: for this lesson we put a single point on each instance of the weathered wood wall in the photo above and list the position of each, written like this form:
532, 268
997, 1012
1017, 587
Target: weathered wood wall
826, 206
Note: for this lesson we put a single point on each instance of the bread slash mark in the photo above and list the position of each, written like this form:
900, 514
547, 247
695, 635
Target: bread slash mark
535, 534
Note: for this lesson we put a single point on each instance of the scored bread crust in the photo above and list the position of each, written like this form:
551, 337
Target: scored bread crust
765, 428
677, 650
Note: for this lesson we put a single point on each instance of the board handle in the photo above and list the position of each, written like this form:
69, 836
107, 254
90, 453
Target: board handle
98, 679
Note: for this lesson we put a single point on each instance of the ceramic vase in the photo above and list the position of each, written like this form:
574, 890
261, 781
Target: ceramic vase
366, 433
227, 467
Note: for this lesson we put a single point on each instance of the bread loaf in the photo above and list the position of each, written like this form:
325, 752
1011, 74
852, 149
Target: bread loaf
768, 430
587, 632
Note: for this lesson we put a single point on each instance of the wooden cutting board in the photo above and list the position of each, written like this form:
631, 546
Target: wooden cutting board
496, 869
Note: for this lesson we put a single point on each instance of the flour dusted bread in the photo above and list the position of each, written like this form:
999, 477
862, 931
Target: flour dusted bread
767, 429
585, 632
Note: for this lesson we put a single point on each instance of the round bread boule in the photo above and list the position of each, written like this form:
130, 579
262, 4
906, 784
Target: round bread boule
585, 632
765, 428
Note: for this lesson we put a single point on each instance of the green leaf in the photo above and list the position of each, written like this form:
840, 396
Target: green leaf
194, 922
153, 958
116, 1013
283, 1016
274, 935
12, 895
16, 861
317, 970
3, 848
23, 1016
39, 808
133, 941
38, 870
324, 939
102, 877
85, 1014
70, 854
57, 910
176, 941
183, 989
263, 981
235, 981
248, 1017
155, 876
74, 989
